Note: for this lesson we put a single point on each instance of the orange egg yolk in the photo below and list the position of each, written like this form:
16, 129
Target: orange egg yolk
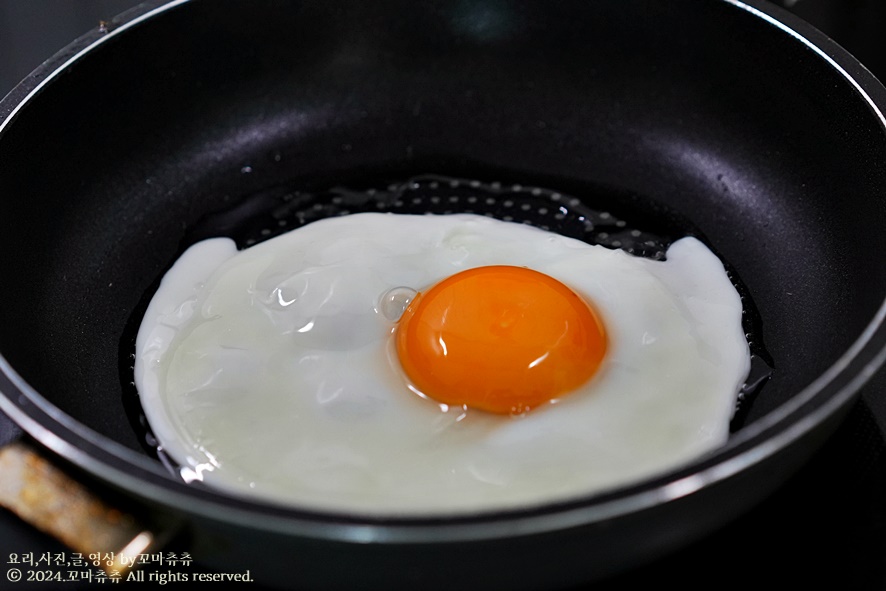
501, 339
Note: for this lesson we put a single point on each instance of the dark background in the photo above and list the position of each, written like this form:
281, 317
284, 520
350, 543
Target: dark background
825, 528
32, 30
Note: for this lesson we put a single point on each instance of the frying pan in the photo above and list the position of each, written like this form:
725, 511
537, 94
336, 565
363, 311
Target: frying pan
730, 119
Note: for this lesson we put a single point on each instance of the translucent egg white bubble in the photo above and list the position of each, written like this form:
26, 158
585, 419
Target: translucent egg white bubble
269, 373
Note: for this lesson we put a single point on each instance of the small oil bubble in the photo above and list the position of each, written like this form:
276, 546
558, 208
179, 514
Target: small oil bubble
394, 302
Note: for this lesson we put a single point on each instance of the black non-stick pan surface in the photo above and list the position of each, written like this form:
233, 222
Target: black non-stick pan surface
762, 138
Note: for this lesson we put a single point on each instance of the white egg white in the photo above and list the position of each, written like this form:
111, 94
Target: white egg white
269, 372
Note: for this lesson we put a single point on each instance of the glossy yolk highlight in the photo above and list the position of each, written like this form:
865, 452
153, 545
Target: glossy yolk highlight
501, 339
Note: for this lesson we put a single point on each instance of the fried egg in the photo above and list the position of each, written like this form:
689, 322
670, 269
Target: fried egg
427, 365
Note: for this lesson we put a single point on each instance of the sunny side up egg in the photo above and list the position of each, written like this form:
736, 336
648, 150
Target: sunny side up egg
527, 367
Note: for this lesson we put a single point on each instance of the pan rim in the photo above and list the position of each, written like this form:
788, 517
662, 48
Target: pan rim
145, 479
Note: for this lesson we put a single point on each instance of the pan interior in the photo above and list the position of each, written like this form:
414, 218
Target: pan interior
741, 133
